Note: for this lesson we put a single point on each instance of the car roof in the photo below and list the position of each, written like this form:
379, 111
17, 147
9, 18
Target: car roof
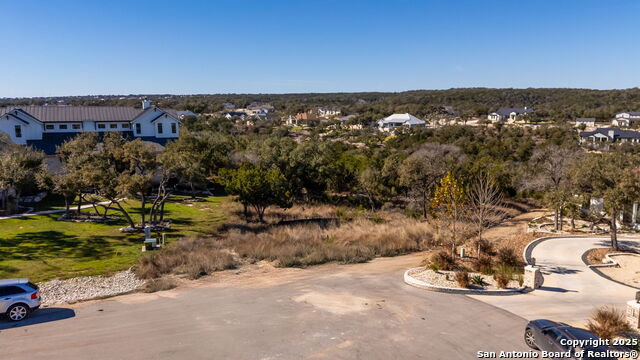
579, 334
7, 282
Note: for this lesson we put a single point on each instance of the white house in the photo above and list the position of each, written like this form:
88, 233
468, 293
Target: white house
508, 114
394, 121
45, 127
586, 121
325, 112
626, 118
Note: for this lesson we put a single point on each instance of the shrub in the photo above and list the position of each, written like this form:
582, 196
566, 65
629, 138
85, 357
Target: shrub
444, 260
478, 280
508, 257
483, 264
434, 267
608, 323
485, 247
462, 278
161, 284
502, 279
520, 279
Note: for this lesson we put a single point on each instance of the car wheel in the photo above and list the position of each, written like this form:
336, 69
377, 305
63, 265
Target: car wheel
18, 312
530, 339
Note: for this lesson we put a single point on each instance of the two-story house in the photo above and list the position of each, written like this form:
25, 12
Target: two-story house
626, 118
45, 127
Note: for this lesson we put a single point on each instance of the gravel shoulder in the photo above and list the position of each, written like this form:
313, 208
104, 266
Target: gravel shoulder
72, 290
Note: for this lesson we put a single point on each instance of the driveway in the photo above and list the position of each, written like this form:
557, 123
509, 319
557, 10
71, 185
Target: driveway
571, 291
361, 311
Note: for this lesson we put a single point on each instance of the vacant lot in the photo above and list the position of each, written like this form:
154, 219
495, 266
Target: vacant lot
41, 248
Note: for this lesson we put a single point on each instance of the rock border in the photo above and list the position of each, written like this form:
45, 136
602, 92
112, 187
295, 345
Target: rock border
410, 280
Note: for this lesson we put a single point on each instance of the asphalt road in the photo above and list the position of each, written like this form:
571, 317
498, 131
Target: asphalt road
361, 311
571, 291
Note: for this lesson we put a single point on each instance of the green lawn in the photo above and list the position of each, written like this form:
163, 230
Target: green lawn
41, 248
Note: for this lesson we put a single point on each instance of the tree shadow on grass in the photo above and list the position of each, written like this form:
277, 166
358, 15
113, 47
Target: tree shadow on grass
52, 244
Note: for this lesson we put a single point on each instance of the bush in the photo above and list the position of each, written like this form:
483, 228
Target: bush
485, 247
462, 278
161, 284
483, 264
478, 280
608, 323
508, 257
502, 279
444, 260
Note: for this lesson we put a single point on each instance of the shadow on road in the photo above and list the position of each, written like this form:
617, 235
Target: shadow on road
554, 289
554, 269
39, 317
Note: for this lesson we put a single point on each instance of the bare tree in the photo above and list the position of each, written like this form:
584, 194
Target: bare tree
550, 172
484, 201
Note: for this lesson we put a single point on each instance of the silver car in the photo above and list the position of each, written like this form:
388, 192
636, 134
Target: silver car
18, 298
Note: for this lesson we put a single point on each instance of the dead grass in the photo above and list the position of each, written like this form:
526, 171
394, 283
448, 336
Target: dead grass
462, 278
308, 244
161, 284
608, 323
595, 256
193, 257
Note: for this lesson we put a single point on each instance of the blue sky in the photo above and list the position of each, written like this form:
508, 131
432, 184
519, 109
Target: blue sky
189, 47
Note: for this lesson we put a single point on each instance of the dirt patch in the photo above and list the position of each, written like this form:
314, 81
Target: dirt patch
335, 302
513, 233
628, 271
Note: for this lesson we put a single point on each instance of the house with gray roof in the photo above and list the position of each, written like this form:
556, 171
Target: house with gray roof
509, 114
626, 118
610, 135
45, 127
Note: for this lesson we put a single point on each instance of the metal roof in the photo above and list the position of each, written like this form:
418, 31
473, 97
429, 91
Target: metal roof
77, 113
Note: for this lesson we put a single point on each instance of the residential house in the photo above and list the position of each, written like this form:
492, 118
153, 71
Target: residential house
228, 106
610, 135
45, 127
626, 118
184, 113
235, 114
325, 112
589, 122
391, 122
509, 114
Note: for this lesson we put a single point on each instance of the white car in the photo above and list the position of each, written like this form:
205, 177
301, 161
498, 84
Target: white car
18, 298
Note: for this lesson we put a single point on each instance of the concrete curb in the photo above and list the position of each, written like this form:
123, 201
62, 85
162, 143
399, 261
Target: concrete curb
526, 254
410, 280
596, 268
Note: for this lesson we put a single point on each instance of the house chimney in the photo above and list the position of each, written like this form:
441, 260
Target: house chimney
610, 133
146, 104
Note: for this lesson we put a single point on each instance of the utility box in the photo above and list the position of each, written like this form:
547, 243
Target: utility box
633, 314
532, 277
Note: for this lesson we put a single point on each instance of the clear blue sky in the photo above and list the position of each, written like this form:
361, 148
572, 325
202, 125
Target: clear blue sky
188, 47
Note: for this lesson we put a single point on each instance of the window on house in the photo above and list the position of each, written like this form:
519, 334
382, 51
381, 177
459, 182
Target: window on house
76, 126
125, 126
160, 128
113, 126
18, 129
101, 126
174, 128
48, 127
138, 128
62, 126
